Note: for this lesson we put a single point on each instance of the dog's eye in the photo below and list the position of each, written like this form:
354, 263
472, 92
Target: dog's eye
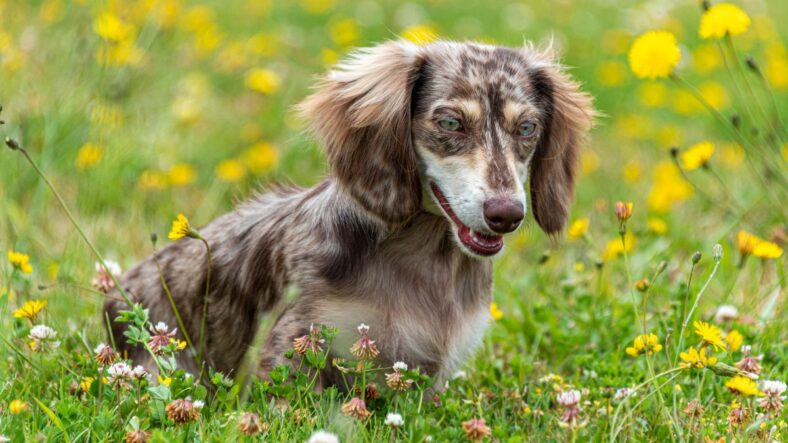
450, 124
526, 129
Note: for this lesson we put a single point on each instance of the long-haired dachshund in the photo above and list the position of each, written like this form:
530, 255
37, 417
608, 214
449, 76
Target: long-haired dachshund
429, 150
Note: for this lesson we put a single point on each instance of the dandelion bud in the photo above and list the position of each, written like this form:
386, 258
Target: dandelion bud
154, 237
11, 143
752, 64
736, 121
545, 256
674, 151
623, 210
696, 257
716, 252
2, 122
642, 285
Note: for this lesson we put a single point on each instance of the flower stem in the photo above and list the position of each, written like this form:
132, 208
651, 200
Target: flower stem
694, 306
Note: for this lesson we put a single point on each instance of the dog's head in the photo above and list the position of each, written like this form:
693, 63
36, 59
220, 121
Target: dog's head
465, 125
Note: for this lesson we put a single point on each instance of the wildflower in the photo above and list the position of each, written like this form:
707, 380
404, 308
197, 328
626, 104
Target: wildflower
742, 386
644, 344
734, 339
657, 225
181, 228
623, 393
677, 388
310, 341
623, 211
394, 420
716, 252
164, 380
230, 171
323, 437
749, 363
364, 348
614, 247
356, 408
263, 80
746, 242
160, 337
103, 280
737, 415
181, 174
20, 261
88, 155
697, 155
570, 401
419, 34
723, 19
578, 229
642, 285
710, 334
694, 359
17, 407
495, 312
476, 429
654, 55
261, 157
767, 249
30, 309
42, 337
773, 398
137, 436
182, 411
111, 28
86, 383
105, 355
139, 373
669, 187
250, 424
726, 313
396, 380
694, 408
119, 375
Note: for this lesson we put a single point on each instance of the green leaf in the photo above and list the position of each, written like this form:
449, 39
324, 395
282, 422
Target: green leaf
55, 419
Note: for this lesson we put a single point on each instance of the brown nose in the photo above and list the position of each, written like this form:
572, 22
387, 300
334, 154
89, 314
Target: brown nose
503, 215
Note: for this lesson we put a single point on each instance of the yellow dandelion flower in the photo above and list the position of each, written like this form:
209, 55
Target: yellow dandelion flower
746, 242
230, 171
669, 188
706, 58
722, 19
261, 157
89, 154
112, 28
714, 93
180, 228
614, 248
495, 312
86, 383
150, 179
578, 229
654, 55
344, 32
329, 56
632, 171
611, 73
734, 339
317, 7
17, 407
30, 309
694, 359
644, 344
263, 80
181, 174
20, 261
740, 385
767, 249
653, 94
710, 334
657, 226
697, 155
420, 34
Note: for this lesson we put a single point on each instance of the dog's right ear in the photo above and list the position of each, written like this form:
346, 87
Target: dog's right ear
361, 113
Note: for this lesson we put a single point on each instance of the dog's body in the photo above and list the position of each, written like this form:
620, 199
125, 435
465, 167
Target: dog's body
429, 148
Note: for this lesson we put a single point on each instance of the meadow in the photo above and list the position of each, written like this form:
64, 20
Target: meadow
658, 316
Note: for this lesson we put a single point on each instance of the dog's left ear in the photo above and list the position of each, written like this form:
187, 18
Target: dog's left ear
362, 114
569, 116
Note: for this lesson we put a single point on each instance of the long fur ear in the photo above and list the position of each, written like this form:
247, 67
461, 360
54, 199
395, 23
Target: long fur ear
362, 114
569, 117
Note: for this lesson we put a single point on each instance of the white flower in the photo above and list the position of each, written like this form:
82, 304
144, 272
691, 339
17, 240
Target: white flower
140, 372
726, 313
773, 388
623, 393
42, 332
569, 398
362, 328
400, 366
394, 420
112, 268
323, 437
119, 370
198, 404
746, 349
100, 348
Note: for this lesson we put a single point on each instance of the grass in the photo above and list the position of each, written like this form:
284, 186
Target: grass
186, 107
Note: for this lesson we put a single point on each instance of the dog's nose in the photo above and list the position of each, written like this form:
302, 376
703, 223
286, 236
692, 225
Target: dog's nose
503, 215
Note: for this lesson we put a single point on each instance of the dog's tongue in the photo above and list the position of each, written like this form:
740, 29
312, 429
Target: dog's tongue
483, 244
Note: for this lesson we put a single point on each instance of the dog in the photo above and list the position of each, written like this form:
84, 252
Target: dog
429, 149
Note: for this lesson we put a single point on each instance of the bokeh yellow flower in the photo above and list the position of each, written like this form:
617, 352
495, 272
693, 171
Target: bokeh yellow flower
86, 383
714, 93
231, 170
767, 249
495, 312
654, 55
164, 380
344, 32
653, 94
260, 158
734, 339
722, 19
710, 334
697, 155
420, 34
317, 6
750, 244
632, 171
181, 174
180, 228
694, 359
30, 309
706, 58
150, 179
669, 188
112, 28
578, 229
657, 225
614, 248
89, 154
611, 72
745, 242
263, 80
741, 385
644, 344
17, 407
20, 261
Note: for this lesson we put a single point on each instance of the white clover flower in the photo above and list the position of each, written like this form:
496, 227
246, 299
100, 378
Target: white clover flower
400, 366
140, 373
119, 370
569, 398
362, 328
726, 313
198, 404
773, 388
161, 328
100, 348
323, 437
43, 337
112, 267
394, 420
623, 393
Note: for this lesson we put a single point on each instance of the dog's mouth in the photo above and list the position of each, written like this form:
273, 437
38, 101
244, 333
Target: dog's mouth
478, 242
